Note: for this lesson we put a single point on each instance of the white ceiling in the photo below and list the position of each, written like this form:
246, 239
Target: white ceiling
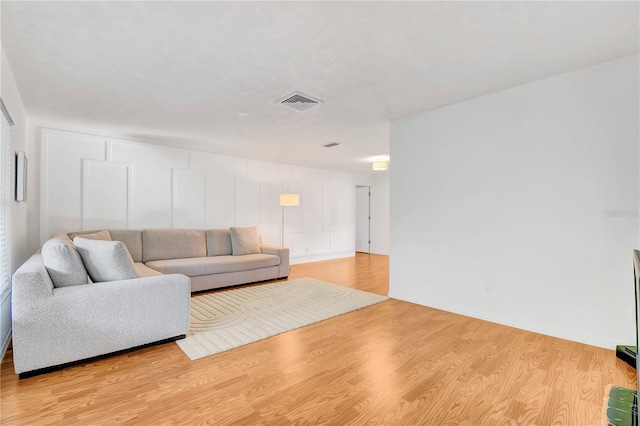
179, 73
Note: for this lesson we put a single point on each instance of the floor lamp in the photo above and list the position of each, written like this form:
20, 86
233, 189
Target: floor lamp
287, 200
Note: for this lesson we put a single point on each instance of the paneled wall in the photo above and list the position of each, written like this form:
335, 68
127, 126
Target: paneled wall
92, 182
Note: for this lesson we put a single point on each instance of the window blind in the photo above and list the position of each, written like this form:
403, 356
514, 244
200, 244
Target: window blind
5, 198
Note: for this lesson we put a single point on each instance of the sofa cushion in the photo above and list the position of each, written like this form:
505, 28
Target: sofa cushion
219, 242
245, 240
92, 235
144, 271
60, 235
132, 238
160, 244
106, 260
194, 267
63, 263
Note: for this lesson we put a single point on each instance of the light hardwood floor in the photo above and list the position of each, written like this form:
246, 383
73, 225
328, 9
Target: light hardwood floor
394, 363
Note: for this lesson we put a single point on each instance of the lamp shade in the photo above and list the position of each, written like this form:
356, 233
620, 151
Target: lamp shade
289, 199
379, 165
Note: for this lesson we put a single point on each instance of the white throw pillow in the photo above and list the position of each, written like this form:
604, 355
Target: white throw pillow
245, 240
106, 260
63, 263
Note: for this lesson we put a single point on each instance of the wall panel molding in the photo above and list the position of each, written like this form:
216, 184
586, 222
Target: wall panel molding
247, 201
329, 207
106, 194
188, 199
101, 182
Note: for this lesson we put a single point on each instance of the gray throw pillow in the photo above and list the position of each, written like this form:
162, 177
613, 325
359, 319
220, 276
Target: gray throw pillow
219, 242
245, 240
106, 260
63, 263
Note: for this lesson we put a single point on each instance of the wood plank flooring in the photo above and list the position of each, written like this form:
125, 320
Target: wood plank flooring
394, 363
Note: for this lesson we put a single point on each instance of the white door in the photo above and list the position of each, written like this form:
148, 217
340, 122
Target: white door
362, 219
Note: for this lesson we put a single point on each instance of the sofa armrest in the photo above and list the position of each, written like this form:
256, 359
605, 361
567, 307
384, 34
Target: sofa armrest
283, 253
79, 322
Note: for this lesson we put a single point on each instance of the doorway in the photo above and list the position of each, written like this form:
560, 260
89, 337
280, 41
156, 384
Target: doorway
363, 219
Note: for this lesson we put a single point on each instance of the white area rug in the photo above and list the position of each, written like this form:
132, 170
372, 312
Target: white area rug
226, 320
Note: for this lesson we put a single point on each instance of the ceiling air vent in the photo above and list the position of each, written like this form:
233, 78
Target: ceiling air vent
299, 101
331, 145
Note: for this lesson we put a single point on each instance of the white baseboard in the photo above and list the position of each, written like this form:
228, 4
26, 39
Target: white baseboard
599, 341
296, 259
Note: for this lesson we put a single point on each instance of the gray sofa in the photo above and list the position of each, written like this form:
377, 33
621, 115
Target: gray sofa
211, 258
59, 319
57, 326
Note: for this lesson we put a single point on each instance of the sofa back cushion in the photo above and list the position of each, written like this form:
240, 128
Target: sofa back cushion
63, 263
132, 238
219, 242
245, 240
92, 235
106, 260
161, 244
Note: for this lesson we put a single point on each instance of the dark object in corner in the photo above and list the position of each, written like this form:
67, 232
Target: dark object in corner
627, 354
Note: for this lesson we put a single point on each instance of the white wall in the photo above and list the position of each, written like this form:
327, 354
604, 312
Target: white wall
94, 182
521, 207
363, 225
380, 213
18, 230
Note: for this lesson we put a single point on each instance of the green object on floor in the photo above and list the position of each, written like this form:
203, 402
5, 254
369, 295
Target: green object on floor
622, 408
